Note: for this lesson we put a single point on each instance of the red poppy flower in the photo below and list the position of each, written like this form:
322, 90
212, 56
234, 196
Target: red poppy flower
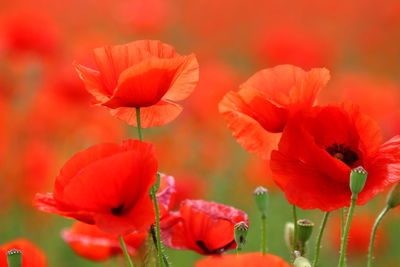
258, 112
89, 242
144, 74
318, 149
107, 185
32, 256
201, 226
359, 235
254, 259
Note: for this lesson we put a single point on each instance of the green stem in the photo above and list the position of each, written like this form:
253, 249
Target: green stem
153, 192
139, 124
319, 238
158, 234
295, 228
342, 218
373, 233
263, 234
345, 234
126, 254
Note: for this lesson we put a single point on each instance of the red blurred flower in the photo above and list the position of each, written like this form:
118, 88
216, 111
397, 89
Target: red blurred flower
106, 185
89, 242
359, 235
201, 226
318, 149
32, 256
258, 112
144, 74
254, 259
189, 186
29, 31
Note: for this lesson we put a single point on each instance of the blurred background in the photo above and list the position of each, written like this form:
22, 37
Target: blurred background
46, 115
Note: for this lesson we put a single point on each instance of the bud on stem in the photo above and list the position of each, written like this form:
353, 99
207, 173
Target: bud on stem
305, 228
14, 258
358, 177
393, 199
241, 230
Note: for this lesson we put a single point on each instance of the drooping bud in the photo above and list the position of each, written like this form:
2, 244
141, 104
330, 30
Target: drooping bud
305, 228
393, 199
300, 261
358, 177
288, 235
241, 230
261, 199
14, 258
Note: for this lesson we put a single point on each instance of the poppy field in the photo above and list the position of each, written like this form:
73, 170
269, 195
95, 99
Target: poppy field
199, 133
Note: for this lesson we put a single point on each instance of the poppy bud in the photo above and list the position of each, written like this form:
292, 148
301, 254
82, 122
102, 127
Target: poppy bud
305, 228
289, 231
241, 230
261, 198
358, 177
393, 199
300, 261
14, 258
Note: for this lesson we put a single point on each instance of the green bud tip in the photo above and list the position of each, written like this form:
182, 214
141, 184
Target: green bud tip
305, 228
14, 258
261, 199
393, 199
241, 230
358, 177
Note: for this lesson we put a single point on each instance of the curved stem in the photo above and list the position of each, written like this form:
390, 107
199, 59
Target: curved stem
295, 228
263, 233
345, 234
342, 219
319, 238
126, 254
139, 124
373, 234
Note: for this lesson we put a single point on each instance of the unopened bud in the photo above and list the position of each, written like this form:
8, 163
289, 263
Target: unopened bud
261, 198
241, 230
288, 235
305, 228
358, 177
300, 261
14, 258
393, 199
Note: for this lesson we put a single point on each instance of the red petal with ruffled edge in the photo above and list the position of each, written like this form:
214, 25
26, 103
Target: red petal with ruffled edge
205, 227
89, 242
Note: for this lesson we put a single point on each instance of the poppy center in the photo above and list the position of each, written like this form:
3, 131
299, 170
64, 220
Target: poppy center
118, 210
220, 250
343, 153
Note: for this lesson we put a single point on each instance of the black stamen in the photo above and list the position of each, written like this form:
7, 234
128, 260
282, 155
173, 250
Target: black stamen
343, 153
118, 210
215, 251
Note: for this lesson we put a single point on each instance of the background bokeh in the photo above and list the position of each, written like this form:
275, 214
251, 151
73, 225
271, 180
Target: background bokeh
46, 114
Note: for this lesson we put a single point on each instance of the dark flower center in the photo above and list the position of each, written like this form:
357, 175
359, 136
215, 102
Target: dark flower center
215, 251
343, 153
118, 210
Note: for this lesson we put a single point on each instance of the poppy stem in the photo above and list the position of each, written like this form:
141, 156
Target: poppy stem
126, 254
342, 217
295, 228
158, 232
263, 233
345, 235
139, 124
373, 234
319, 238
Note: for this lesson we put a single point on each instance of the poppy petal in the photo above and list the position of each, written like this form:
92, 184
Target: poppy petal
157, 115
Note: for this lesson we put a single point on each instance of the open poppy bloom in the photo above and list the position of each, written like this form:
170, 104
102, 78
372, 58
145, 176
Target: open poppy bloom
318, 149
258, 112
89, 242
144, 74
201, 226
254, 259
32, 256
107, 185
